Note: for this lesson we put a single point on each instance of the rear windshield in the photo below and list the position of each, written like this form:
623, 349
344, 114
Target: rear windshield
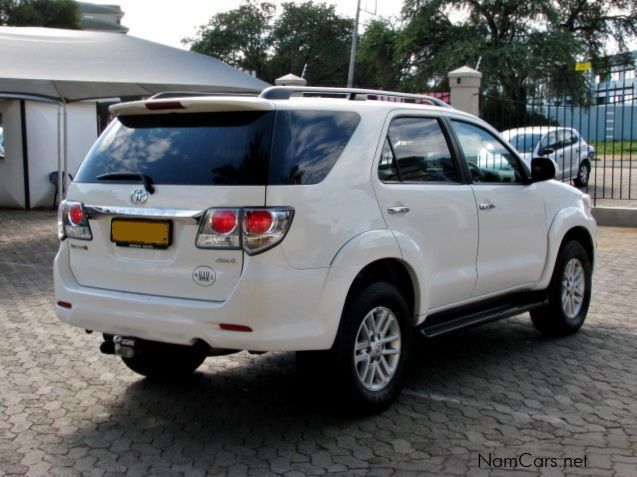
240, 148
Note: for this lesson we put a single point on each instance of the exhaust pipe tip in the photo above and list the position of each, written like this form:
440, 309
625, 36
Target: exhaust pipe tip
107, 347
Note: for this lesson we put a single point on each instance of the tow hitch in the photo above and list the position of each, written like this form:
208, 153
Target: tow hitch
119, 346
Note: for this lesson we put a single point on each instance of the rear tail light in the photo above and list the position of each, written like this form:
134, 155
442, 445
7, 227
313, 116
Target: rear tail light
73, 221
253, 229
219, 229
265, 228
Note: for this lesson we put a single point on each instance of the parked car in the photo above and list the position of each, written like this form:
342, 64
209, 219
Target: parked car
571, 153
302, 221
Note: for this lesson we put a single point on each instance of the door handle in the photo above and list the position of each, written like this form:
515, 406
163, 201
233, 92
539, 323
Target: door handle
398, 210
486, 206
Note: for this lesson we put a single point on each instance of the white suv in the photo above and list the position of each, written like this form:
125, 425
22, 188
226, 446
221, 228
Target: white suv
333, 222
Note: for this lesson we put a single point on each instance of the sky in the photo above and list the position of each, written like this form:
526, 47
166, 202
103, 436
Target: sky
168, 21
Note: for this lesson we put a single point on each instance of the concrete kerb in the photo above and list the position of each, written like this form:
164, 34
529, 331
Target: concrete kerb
615, 216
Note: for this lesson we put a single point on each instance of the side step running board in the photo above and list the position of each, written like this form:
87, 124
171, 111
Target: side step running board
447, 322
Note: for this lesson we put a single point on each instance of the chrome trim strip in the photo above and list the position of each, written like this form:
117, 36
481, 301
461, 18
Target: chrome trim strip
95, 211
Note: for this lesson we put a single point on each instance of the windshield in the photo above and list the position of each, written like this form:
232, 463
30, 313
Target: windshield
525, 143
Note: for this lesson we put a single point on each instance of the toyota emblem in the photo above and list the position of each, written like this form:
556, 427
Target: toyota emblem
139, 196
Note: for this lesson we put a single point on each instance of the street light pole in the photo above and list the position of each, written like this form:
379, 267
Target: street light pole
352, 57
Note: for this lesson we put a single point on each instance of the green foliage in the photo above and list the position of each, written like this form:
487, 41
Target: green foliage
239, 37
250, 38
379, 59
522, 44
46, 13
314, 35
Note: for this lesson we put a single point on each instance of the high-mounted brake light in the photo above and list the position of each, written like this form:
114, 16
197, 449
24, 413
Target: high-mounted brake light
73, 221
164, 105
253, 229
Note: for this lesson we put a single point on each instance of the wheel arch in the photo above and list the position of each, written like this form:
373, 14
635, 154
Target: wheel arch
569, 224
391, 270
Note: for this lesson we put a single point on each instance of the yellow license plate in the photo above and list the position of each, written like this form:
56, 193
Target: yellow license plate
138, 233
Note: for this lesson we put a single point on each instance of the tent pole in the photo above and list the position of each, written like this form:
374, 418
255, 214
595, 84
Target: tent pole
64, 150
62, 160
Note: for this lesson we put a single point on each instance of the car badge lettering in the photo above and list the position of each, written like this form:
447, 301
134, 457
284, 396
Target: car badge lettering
139, 196
204, 276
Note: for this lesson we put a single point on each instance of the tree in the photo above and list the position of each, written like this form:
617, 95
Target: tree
46, 13
379, 58
520, 42
239, 37
250, 38
312, 37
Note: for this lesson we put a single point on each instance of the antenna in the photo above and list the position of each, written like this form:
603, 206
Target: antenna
304, 70
478, 63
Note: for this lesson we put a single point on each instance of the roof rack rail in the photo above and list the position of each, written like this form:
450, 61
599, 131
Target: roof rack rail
190, 94
285, 92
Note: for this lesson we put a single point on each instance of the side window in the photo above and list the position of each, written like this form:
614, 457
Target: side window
416, 151
565, 138
548, 142
488, 159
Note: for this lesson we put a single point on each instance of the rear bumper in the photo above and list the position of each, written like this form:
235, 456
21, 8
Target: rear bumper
282, 305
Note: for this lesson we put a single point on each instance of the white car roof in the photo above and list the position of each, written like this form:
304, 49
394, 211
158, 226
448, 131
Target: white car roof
534, 130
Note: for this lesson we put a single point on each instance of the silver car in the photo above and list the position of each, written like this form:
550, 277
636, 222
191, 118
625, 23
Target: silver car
565, 146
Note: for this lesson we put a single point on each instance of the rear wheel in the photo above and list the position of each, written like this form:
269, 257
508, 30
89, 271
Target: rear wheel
164, 362
583, 174
366, 366
569, 293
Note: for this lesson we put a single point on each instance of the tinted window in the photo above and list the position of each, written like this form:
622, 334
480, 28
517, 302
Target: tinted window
420, 152
488, 159
525, 142
196, 149
307, 144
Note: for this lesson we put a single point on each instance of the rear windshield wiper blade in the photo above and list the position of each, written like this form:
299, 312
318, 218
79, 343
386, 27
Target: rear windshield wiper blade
129, 176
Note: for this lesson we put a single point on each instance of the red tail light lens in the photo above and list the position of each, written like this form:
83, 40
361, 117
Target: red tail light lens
75, 214
258, 221
223, 221
73, 221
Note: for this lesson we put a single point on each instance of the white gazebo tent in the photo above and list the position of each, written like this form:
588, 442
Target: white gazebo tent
65, 66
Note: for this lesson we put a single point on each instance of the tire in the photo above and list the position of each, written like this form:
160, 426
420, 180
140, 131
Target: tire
569, 293
164, 362
583, 174
366, 375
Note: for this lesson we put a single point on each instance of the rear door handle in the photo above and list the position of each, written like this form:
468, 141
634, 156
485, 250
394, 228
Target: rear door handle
398, 210
486, 206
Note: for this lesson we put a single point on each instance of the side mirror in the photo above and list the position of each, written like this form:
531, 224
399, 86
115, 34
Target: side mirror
542, 169
546, 151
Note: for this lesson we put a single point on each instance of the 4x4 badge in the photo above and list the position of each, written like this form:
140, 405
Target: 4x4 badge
139, 196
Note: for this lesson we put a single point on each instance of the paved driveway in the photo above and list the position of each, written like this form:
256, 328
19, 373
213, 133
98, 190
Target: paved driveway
499, 395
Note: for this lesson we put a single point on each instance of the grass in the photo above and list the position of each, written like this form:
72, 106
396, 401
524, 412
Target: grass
624, 148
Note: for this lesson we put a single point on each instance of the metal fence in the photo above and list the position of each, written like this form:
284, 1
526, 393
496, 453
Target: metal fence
609, 129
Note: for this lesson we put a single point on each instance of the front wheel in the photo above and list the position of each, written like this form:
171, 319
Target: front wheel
569, 293
368, 361
583, 174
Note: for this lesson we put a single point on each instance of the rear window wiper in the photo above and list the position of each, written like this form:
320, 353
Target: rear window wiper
129, 176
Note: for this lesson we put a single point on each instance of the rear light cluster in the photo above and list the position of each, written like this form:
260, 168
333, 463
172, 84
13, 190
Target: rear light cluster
73, 221
253, 229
